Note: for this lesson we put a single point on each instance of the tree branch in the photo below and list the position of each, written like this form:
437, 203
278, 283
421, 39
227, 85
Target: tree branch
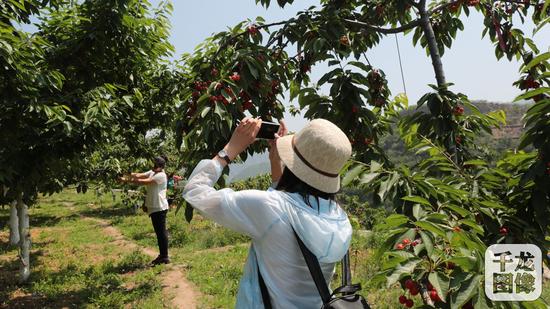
432, 44
384, 30
232, 39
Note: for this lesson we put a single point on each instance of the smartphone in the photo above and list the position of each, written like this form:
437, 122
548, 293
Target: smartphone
268, 130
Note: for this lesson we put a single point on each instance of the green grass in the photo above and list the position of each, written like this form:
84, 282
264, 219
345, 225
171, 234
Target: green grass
74, 264
217, 273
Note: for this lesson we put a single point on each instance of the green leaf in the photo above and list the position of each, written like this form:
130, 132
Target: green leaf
427, 241
387, 184
537, 60
475, 162
368, 178
188, 212
417, 199
395, 220
401, 270
428, 226
418, 212
441, 284
459, 210
205, 111
468, 289
351, 175
467, 263
476, 227
532, 93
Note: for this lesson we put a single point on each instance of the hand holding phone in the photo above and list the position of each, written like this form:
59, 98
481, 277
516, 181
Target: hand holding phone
268, 130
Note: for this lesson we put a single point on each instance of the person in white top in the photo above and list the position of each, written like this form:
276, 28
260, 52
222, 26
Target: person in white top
305, 170
156, 204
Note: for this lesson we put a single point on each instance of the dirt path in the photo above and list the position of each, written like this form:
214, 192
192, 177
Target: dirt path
174, 284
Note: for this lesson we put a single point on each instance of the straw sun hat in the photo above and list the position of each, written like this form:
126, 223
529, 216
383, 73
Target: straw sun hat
316, 154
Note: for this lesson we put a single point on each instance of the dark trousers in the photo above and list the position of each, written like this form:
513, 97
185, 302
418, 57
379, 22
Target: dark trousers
159, 224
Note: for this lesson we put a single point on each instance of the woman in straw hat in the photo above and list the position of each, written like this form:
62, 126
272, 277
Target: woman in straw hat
305, 170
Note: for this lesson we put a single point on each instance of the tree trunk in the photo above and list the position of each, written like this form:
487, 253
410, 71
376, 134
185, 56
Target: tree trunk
14, 224
432, 44
24, 240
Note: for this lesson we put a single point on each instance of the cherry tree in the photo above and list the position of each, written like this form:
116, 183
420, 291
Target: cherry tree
92, 73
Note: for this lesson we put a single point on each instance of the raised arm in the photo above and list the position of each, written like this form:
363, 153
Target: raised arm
274, 159
140, 175
138, 178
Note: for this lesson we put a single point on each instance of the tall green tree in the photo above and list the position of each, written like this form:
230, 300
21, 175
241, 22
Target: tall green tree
93, 72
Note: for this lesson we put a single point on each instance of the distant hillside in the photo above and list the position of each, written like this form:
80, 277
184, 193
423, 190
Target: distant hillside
251, 171
514, 113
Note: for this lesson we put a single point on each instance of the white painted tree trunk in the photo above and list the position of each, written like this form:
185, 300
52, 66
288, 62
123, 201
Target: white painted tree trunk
24, 240
14, 224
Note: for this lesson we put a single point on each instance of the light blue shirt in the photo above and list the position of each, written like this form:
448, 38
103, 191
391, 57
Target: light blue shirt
268, 218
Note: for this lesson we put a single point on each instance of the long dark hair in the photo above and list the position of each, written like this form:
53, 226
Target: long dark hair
292, 184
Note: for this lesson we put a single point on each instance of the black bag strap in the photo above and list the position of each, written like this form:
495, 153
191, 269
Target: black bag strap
346, 272
263, 288
315, 270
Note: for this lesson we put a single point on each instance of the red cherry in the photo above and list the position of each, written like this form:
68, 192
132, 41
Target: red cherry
414, 291
409, 303
458, 140
344, 40
354, 109
409, 284
468, 306
213, 98
503, 231
473, 2
198, 86
434, 296
214, 72
457, 229
247, 105
400, 246
253, 30
406, 241
450, 265
379, 9
414, 243
430, 287
367, 141
454, 7
402, 299
458, 111
196, 94
235, 77
379, 102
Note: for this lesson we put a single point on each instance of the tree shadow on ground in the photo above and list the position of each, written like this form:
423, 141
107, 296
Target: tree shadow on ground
108, 213
74, 287
39, 220
9, 276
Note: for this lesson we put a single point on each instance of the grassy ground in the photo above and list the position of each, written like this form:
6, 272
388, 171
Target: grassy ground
77, 266
74, 264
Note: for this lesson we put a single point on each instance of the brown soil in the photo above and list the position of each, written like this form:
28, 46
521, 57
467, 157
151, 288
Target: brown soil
174, 284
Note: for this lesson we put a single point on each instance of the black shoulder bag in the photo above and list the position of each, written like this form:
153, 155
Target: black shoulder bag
344, 297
